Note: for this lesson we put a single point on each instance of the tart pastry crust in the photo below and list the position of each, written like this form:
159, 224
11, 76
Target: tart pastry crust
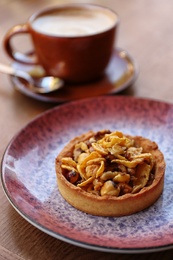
109, 205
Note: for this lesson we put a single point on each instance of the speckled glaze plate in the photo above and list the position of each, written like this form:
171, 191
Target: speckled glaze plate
120, 74
29, 180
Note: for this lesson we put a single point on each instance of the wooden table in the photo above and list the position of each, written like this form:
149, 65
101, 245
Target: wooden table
146, 32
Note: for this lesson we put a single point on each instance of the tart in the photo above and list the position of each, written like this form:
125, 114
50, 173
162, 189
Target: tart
110, 174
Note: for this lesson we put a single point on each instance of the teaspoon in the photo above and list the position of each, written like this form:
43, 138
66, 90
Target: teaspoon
42, 85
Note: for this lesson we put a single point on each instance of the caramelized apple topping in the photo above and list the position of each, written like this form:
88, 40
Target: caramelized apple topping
109, 163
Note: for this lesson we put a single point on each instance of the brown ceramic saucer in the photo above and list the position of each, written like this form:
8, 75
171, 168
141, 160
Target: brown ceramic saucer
121, 73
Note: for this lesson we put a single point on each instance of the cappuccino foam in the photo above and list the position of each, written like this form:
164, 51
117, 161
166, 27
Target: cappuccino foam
74, 22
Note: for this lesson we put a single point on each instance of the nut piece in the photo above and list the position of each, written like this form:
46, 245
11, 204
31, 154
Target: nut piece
122, 177
108, 175
73, 176
109, 188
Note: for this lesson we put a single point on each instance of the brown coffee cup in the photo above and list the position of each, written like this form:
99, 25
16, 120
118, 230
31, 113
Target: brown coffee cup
73, 42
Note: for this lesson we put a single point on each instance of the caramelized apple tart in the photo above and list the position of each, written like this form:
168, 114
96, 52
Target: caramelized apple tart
110, 174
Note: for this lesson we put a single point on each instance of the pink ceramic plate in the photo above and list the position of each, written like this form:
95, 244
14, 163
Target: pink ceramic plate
121, 72
29, 180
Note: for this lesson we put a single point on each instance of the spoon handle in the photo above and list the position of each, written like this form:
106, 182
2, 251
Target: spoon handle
7, 69
18, 73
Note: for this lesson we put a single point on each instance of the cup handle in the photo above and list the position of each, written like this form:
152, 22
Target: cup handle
26, 58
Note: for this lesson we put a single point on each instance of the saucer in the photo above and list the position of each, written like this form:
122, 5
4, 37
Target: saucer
120, 73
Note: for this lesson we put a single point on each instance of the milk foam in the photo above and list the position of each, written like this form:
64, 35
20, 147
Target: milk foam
74, 22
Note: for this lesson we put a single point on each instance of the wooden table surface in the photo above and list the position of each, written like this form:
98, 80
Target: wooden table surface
146, 32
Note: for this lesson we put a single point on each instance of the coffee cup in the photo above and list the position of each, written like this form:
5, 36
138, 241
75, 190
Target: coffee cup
73, 42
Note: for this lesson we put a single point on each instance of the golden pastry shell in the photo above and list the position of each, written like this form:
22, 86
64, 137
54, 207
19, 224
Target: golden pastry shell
110, 205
